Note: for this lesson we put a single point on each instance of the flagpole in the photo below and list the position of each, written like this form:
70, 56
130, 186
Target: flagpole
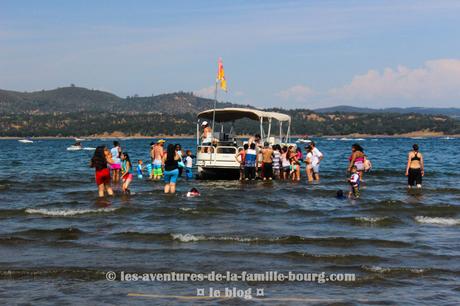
214, 111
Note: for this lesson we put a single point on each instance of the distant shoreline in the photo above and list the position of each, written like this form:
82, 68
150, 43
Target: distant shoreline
103, 137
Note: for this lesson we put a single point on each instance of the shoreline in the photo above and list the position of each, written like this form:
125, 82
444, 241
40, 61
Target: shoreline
365, 136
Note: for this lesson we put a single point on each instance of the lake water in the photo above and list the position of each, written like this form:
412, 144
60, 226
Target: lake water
58, 241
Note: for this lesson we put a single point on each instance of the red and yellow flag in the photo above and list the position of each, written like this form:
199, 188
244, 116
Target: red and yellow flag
221, 75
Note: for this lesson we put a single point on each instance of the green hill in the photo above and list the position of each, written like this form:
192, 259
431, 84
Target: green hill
76, 111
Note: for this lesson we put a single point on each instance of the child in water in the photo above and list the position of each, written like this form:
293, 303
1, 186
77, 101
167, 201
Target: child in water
188, 165
140, 169
193, 193
354, 182
126, 172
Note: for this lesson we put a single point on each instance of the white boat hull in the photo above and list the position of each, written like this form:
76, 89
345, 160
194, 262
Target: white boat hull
218, 165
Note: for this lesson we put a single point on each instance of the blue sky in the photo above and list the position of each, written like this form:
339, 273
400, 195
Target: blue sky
276, 53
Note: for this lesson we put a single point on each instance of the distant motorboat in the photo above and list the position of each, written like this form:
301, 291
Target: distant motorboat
25, 141
74, 148
303, 140
80, 139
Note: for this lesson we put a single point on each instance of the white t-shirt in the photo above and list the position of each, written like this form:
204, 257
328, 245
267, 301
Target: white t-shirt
188, 162
115, 155
316, 155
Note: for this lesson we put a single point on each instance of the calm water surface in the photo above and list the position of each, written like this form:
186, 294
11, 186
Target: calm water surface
57, 240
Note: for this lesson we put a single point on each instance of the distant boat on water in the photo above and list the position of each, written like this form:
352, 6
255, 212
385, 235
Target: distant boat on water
25, 141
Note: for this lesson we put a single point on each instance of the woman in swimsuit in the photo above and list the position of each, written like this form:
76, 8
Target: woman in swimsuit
357, 159
285, 163
415, 168
101, 158
308, 161
126, 172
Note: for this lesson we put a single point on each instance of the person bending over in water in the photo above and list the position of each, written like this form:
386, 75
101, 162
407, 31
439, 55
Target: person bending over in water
415, 168
126, 172
171, 173
99, 162
240, 158
354, 183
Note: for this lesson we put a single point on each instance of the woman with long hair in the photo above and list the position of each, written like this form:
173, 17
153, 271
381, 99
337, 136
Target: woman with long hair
99, 161
126, 172
171, 169
357, 159
308, 162
285, 163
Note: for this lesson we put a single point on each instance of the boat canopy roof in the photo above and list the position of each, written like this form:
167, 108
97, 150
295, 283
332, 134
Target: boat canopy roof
231, 114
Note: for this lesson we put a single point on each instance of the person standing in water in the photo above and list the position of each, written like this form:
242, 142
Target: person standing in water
157, 157
309, 168
415, 167
99, 162
285, 163
116, 166
267, 161
316, 159
140, 169
354, 181
171, 173
250, 163
188, 165
181, 161
126, 172
276, 161
356, 159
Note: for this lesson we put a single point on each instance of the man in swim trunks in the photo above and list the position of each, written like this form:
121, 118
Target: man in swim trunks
157, 157
267, 161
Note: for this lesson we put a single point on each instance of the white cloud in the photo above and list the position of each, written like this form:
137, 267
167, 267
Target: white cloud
437, 82
297, 93
207, 92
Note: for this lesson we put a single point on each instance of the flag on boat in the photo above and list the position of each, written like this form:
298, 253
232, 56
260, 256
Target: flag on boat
221, 75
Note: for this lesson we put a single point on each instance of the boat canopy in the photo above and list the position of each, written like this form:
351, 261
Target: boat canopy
232, 114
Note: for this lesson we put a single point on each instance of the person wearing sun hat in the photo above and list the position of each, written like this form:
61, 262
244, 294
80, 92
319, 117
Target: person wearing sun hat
157, 157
